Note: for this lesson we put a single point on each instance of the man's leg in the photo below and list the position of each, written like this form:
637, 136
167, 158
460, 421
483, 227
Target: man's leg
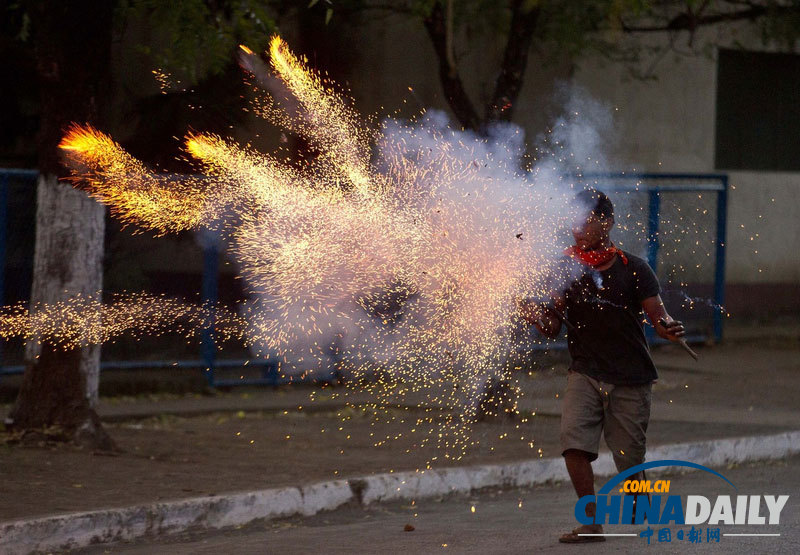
581, 426
625, 429
579, 467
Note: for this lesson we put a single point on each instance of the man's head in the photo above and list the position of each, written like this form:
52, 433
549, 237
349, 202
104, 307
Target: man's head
595, 219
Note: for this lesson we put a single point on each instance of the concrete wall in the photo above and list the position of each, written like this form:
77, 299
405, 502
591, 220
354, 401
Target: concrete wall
669, 125
666, 124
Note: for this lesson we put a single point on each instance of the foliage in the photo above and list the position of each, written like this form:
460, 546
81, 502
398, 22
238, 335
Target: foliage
781, 26
576, 26
15, 22
193, 38
559, 29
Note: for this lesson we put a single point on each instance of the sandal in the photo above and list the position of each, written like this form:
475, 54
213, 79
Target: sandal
576, 537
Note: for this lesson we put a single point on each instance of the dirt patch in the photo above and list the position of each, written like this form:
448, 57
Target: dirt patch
171, 457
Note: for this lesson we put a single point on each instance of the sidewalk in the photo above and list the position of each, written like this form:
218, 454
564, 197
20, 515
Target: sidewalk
178, 447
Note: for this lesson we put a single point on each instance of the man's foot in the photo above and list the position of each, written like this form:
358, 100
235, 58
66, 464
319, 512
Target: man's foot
578, 535
633, 511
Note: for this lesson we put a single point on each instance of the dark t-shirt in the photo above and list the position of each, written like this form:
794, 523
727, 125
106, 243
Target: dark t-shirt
606, 308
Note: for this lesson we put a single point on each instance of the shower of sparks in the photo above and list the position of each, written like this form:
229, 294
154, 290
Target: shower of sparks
394, 257
87, 320
399, 270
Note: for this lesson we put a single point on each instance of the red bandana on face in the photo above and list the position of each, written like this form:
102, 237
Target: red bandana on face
597, 257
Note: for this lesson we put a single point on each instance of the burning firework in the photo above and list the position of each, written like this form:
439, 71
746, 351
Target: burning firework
396, 255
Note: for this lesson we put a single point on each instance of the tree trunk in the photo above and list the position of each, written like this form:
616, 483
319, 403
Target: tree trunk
72, 42
454, 91
68, 260
60, 387
515, 60
524, 18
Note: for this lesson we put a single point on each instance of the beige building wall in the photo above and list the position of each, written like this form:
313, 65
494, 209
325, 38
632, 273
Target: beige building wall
666, 124
669, 125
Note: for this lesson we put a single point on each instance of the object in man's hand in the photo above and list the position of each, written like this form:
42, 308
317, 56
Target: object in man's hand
527, 309
681, 340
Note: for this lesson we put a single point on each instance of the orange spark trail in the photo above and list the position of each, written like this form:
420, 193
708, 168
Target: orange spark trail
393, 256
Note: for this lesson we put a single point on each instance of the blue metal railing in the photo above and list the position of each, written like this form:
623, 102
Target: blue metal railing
719, 259
654, 210
5, 179
208, 362
269, 374
209, 292
605, 181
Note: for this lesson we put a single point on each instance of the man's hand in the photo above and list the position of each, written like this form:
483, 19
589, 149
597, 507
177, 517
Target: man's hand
665, 326
538, 314
673, 329
528, 311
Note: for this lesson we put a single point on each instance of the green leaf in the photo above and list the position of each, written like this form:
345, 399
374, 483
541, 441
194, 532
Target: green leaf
312, 3
24, 31
328, 15
195, 38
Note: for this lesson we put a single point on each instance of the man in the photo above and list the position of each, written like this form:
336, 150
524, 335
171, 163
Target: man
611, 374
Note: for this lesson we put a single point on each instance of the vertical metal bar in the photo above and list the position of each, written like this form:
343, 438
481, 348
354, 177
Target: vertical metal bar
653, 220
4, 178
209, 296
719, 268
269, 372
273, 365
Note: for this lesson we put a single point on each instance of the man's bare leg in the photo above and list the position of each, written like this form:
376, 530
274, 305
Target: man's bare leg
580, 473
640, 476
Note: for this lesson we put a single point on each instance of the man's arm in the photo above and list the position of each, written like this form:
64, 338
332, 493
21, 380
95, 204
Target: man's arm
545, 319
656, 312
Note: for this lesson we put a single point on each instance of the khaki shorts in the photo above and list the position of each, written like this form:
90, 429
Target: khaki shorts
621, 412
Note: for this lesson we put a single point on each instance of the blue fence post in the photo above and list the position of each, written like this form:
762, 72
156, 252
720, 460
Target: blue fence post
4, 178
653, 220
269, 372
719, 269
209, 294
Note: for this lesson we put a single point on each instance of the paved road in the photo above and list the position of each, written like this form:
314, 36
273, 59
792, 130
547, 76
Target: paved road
510, 521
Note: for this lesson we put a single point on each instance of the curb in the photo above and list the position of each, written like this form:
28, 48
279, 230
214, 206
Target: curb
74, 530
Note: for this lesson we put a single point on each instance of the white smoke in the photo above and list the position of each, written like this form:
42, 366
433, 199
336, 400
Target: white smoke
471, 200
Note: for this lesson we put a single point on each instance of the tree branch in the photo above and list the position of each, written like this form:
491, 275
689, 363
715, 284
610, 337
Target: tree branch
454, 91
688, 21
515, 59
